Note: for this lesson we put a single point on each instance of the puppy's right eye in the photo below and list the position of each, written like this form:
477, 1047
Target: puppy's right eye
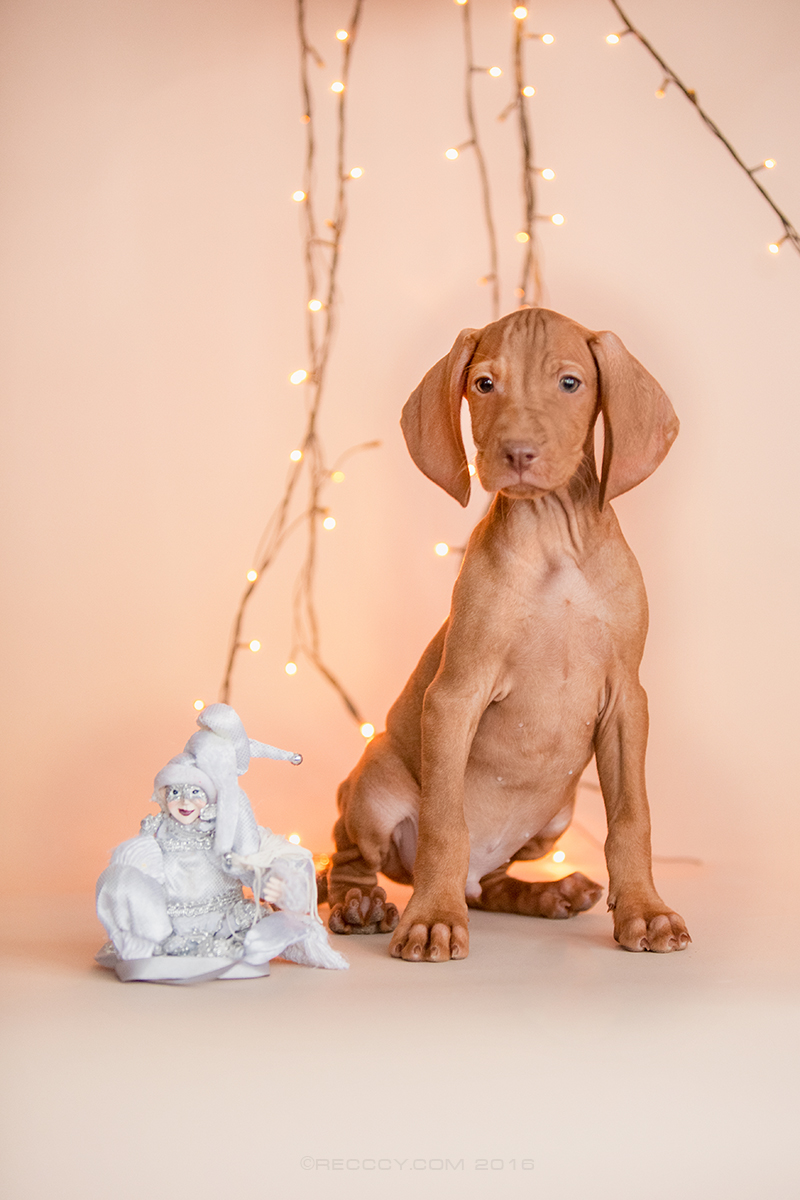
484, 384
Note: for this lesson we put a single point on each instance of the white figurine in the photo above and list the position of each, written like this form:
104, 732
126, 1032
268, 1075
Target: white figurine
171, 900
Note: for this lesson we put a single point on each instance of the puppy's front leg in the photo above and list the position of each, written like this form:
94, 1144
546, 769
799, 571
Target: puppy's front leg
433, 927
642, 921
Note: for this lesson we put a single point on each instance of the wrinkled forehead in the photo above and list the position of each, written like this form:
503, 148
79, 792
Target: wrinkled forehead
536, 339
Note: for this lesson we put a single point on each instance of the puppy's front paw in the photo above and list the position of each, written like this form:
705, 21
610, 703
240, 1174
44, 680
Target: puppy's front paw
431, 934
660, 931
360, 913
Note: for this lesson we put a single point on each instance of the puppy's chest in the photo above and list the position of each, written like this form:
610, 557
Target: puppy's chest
556, 628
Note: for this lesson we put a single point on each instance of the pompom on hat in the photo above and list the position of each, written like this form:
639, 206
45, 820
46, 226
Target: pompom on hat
213, 758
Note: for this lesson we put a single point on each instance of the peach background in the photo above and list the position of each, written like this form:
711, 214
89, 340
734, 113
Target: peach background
153, 310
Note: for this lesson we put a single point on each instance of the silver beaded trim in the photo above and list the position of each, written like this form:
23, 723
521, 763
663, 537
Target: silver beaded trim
220, 903
202, 840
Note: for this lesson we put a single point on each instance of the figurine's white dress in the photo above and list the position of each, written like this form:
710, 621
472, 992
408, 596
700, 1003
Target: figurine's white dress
175, 912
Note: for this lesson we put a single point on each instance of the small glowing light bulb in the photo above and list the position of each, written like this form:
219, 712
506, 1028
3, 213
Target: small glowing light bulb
548, 39
495, 71
559, 856
298, 376
660, 93
356, 173
367, 730
774, 248
769, 163
291, 668
342, 35
451, 153
337, 476
337, 86
294, 838
441, 548
298, 195
529, 91
329, 523
255, 645
315, 305
522, 236
199, 705
520, 12
461, 1
547, 173
296, 455
473, 470
557, 219
252, 576
612, 39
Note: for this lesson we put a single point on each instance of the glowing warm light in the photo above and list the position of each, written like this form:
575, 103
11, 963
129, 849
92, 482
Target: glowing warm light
356, 173
255, 645
495, 71
547, 173
342, 35
559, 856
294, 838
472, 469
548, 39
769, 163
451, 153
298, 195
520, 13
296, 455
441, 548
367, 730
298, 376
612, 39
329, 523
529, 91
199, 705
774, 247
522, 236
252, 576
315, 305
461, 1
660, 93
291, 668
557, 219
337, 476
337, 86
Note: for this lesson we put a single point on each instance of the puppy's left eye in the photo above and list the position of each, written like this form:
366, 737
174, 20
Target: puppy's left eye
484, 384
569, 383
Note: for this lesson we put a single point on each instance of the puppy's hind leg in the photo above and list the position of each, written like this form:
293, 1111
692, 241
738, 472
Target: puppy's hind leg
553, 898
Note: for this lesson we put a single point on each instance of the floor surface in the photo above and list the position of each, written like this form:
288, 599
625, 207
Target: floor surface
549, 1063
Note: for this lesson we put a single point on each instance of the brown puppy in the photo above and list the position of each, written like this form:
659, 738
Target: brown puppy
536, 668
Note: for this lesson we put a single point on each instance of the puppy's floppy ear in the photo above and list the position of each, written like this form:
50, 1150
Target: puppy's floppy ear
639, 422
431, 420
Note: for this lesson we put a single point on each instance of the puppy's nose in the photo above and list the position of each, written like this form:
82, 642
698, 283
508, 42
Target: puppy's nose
519, 455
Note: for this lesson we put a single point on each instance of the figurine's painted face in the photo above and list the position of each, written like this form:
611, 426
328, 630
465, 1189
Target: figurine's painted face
185, 802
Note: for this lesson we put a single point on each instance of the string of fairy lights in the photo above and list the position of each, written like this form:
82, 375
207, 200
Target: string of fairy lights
322, 251
670, 78
529, 289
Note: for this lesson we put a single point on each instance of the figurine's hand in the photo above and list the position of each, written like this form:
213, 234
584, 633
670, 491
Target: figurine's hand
273, 889
287, 887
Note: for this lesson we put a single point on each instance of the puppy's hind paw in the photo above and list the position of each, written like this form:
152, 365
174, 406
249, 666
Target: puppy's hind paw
364, 913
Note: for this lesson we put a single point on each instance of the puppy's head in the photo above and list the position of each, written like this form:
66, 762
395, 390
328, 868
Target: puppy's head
534, 382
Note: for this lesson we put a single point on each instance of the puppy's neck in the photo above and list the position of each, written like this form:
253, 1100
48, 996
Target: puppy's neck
564, 520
